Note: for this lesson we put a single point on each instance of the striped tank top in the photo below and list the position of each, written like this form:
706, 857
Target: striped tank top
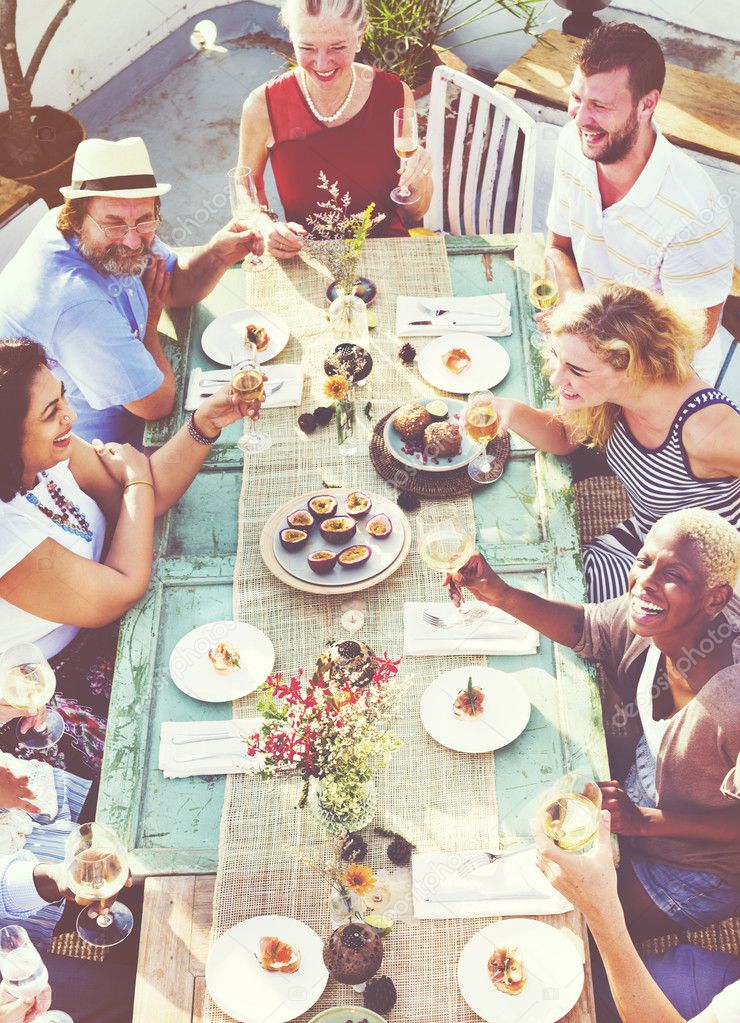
659, 480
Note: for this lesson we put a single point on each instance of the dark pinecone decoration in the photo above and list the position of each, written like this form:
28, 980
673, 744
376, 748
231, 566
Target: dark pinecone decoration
380, 995
399, 851
407, 501
354, 848
407, 354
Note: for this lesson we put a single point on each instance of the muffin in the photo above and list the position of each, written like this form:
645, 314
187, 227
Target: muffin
410, 421
445, 437
353, 953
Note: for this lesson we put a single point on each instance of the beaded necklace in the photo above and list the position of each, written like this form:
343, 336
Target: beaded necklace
337, 113
67, 510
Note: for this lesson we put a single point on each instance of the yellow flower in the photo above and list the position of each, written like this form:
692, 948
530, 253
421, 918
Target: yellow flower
336, 388
359, 878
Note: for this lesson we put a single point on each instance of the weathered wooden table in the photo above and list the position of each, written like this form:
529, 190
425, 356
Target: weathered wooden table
526, 526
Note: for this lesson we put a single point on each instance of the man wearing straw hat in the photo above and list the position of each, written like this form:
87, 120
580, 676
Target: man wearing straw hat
90, 283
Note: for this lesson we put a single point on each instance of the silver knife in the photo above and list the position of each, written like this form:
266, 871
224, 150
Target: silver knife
186, 758
181, 740
495, 896
452, 323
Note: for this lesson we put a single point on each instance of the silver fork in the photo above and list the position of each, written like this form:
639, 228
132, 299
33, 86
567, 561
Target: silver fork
442, 623
482, 859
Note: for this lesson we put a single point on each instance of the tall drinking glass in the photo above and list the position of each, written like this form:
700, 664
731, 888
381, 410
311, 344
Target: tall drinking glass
27, 682
406, 142
97, 868
543, 292
445, 542
481, 422
247, 382
23, 970
245, 206
570, 812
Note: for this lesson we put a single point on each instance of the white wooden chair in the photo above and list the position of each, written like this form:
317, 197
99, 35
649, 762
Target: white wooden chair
483, 155
15, 231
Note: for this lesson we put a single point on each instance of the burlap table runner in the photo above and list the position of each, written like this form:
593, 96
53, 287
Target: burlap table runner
435, 798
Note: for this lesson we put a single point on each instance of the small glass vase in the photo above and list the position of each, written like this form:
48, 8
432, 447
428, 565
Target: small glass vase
343, 907
344, 416
331, 822
348, 319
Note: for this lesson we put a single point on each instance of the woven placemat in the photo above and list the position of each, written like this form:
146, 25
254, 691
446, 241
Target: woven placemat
70, 944
456, 483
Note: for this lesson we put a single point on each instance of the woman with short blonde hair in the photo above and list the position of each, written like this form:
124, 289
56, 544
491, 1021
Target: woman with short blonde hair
619, 362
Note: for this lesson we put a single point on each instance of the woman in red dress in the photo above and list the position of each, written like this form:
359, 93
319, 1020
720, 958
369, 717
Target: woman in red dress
333, 115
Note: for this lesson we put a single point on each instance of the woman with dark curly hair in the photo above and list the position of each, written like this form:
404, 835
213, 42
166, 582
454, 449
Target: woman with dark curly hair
77, 527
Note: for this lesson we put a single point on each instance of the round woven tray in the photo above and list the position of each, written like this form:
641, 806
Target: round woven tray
456, 483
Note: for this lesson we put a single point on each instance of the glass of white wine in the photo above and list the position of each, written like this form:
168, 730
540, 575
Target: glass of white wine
445, 542
248, 383
405, 142
482, 423
245, 206
570, 812
543, 292
27, 683
23, 970
97, 868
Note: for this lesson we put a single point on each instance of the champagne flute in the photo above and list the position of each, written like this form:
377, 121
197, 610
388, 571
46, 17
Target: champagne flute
482, 423
245, 206
570, 812
543, 292
23, 970
247, 382
445, 542
405, 142
97, 868
27, 682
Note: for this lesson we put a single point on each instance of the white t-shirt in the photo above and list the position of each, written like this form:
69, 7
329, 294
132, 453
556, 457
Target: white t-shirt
671, 233
22, 528
724, 1007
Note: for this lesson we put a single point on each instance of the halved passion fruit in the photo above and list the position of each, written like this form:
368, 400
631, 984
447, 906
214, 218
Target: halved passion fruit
357, 504
353, 557
379, 526
323, 506
293, 539
302, 519
339, 529
322, 562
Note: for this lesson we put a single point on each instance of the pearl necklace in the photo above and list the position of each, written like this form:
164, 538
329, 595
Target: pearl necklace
337, 113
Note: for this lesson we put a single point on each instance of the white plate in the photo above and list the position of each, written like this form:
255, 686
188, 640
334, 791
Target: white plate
225, 335
554, 971
395, 444
384, 552
193, 673
242, 989
506, 710
489, 363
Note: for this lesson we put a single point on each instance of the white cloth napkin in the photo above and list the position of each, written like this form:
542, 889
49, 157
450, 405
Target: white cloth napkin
217, 747
513, 886
478, 314
497, 633
287, 396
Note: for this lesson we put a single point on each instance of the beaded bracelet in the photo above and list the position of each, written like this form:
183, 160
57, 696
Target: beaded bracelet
197, 436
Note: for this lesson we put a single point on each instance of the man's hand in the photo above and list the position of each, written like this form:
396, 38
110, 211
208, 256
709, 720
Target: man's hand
157, 284
588, 880
8, 713
14, 791
477, 576
52, 883
235, 241
626, 818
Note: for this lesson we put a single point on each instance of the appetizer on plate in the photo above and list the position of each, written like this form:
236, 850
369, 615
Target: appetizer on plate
469, 701
507, 971
456, 360
445, 437
277, 956
224, 657
410, 421
257, 336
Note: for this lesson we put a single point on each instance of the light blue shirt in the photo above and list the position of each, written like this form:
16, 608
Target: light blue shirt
90, 324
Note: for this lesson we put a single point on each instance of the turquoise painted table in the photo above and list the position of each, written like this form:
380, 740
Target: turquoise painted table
526, 527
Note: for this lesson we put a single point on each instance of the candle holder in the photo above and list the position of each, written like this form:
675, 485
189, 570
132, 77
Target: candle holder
581, 22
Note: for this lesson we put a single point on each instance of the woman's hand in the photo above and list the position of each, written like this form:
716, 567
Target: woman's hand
22, 1010
284, 241
626, 817
8, 713
223, 408
477, 576
52, 883
14, 791
416, 170
123, 462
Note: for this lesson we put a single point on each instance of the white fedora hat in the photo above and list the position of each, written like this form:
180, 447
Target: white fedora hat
121, 169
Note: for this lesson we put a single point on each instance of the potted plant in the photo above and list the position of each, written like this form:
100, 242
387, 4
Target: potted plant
407, 36
37, 143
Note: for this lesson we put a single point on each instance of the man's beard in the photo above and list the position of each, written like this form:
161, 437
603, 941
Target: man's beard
619, 143
117, 260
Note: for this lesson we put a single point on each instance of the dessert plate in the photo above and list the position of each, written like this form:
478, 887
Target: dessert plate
347, 1014
225, 334
193, 673
399, 447
489, 363
242, 989
553, 965
506, 710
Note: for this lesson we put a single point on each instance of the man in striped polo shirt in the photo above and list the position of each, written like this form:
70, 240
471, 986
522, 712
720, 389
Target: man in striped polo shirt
627, 205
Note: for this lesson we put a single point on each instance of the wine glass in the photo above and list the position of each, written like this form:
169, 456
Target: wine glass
247, 382
245, 206
570, 812
405, 142
27, 682
543, 292
445, 542
482, 423
23, 970
97, 868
